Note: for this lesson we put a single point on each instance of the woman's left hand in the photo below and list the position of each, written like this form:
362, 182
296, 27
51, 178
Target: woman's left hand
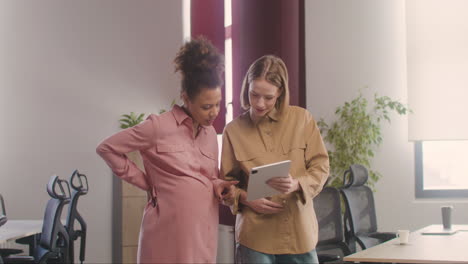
284, 184
224, 191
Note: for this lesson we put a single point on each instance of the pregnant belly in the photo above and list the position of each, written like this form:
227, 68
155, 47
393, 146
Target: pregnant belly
185, 196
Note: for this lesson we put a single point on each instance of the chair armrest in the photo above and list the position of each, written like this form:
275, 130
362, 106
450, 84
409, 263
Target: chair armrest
18, 260
31, 241
327, 257
383, 236
4, 252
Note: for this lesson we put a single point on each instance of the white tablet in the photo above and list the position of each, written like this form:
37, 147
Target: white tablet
257, 187
438, 230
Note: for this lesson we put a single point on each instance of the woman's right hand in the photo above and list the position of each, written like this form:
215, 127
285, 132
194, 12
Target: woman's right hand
225, 191
261, 206
264, 206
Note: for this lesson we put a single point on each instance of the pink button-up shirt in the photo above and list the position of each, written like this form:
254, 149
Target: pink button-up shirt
180, 171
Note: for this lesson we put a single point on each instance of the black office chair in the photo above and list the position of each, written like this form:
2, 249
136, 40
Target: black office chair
331, 245
3, 219
79, 184
360, 215
54, 242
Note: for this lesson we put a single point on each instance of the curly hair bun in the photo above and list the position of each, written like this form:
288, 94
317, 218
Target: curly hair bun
200, 65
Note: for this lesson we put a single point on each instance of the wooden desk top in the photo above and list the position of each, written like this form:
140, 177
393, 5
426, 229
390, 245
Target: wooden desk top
14, 229
420, 249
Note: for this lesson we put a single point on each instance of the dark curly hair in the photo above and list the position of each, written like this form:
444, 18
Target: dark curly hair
201, 66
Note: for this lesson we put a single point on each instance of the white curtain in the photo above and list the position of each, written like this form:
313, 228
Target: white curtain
437, 71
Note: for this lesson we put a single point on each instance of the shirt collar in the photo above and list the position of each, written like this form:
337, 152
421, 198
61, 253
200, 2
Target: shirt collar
274, 114
179, 114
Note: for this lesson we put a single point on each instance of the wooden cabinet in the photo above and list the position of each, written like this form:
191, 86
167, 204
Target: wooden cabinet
129, 203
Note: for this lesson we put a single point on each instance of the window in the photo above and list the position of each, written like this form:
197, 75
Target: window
441, 168
228, 59
437, 76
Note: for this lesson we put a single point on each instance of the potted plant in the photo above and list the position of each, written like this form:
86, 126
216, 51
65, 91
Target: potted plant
356, 134
130, 120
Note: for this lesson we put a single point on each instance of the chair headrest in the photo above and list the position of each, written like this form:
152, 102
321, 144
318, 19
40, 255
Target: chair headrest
79, 182
2, 203
3, 217
63, 191
357, 176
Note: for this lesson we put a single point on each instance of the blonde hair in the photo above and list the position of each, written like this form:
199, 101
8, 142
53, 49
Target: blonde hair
274, 71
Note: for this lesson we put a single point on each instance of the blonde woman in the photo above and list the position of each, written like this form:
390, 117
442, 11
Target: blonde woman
282, 228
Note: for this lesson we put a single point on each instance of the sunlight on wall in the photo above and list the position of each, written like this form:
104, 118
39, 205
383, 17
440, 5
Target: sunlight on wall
186, 26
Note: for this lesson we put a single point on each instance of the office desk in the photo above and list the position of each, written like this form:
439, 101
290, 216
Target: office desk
420, 249
14, 229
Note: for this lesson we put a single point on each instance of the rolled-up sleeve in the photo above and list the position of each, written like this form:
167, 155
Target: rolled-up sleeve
316, 161
114, 148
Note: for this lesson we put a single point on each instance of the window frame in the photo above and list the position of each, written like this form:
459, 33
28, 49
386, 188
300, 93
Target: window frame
420, 192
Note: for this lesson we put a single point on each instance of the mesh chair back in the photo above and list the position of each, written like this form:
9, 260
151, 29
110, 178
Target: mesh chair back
49, 229
359, 201
53, 230
79, 184
328, 211
327, 206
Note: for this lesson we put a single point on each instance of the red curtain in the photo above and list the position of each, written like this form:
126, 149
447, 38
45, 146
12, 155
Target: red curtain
261, 27
207, 19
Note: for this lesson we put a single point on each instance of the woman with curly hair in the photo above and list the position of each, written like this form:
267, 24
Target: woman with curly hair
180, 155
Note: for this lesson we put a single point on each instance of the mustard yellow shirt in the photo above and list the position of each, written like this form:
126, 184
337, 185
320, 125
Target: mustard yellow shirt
292, 135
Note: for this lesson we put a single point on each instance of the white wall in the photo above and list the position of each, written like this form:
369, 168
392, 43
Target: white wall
361, 43
68, 70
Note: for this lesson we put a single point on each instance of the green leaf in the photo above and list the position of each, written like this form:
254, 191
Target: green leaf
130, 120
355, 134
124, 120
